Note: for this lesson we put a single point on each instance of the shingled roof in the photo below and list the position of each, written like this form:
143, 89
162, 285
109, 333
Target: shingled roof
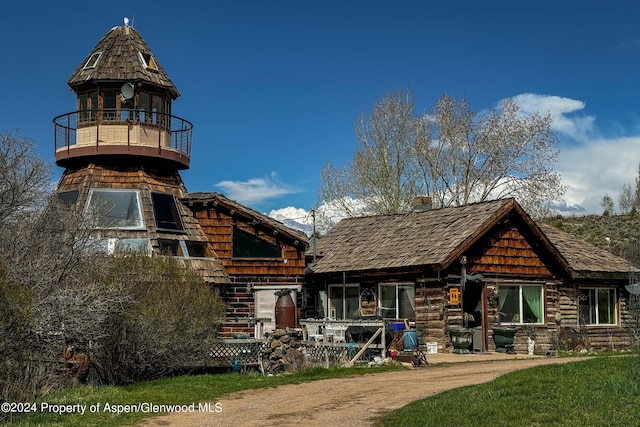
584, 259
422, 238
437, 237
119, 56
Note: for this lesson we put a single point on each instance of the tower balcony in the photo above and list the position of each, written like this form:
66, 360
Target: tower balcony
81, 135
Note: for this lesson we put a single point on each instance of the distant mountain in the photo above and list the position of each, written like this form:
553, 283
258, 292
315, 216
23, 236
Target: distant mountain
296, 218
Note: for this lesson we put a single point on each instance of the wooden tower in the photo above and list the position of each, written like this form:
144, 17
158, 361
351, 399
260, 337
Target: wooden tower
122, 150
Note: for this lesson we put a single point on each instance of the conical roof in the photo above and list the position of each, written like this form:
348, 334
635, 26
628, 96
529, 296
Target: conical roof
122, 56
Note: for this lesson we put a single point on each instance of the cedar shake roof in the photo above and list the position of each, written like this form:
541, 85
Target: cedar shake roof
146, 181
250, 214
413, 239
584, 259
120, 61
437, 237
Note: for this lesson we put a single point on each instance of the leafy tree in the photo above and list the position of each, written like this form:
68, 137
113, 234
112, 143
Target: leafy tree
454, 155
607, 205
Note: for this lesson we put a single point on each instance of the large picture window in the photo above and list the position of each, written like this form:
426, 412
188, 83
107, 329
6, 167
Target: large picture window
247, 245
112, 208
521, 304
397, 301
598, 306
344, 301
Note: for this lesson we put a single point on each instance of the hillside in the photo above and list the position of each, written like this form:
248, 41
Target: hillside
619, 234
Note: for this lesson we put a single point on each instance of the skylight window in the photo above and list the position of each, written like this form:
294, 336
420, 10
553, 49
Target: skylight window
148, 61
115, 209
166, 212
93, 60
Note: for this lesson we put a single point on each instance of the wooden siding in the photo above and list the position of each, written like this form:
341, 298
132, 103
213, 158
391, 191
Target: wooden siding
507, 252
218, 226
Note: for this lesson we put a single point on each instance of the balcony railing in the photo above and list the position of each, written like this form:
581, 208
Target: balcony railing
111, 131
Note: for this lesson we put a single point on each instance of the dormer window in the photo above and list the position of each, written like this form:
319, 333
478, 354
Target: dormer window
148, 61
93, 60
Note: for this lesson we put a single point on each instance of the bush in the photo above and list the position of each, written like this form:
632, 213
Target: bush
167, 325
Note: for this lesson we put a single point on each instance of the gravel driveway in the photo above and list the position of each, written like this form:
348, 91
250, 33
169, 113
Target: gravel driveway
351, 401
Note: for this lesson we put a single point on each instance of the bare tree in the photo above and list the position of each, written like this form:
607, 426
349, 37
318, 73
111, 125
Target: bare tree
453, 154
626, 199
24, 177
381, 176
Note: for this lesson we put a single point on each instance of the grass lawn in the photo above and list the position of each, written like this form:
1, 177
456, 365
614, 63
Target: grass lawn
604, 391
169, 391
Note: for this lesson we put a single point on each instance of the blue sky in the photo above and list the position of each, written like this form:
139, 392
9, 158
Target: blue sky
273, 88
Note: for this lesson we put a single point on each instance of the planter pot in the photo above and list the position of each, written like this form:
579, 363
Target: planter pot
503, 338
461, 339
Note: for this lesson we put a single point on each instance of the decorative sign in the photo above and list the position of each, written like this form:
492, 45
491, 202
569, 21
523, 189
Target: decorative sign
454, 296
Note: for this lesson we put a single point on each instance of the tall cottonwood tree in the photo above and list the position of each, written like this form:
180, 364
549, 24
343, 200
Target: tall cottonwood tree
452, 154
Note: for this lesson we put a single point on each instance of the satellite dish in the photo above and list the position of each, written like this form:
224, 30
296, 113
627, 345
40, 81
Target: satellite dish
127, 91
633, 289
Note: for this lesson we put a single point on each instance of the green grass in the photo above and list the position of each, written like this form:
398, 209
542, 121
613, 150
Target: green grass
603, 391
174, 391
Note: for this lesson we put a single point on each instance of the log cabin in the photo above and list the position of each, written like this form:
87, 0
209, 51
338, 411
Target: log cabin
483, 267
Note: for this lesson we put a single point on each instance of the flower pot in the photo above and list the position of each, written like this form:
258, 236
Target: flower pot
503, 339
461, 339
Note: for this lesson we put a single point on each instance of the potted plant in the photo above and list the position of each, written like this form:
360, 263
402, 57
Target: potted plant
503, 338
461, 339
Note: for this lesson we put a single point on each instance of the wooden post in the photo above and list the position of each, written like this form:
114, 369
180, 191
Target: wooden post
366, 346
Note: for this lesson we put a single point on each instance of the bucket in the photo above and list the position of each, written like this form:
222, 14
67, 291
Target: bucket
410, 339
432, 347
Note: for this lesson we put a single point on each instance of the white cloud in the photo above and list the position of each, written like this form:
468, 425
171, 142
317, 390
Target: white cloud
255, 190
564, 122
598, 167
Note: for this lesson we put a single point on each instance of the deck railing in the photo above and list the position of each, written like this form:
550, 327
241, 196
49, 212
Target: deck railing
119, 127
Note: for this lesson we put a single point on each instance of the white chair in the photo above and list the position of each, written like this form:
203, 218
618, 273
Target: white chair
337, 333
313, 332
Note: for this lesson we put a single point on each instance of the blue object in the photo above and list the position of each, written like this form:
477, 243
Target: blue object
396, 326
236, 365
410, 339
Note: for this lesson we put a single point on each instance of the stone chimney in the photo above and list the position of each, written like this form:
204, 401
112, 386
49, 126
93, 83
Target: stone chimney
422, 203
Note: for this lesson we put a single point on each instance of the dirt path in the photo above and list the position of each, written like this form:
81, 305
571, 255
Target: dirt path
346, 401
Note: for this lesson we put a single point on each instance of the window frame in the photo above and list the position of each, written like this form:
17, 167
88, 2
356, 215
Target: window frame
396, 307
236, 253
596, 308
180, 228
141, 222
344, 308
92, 62
520, 314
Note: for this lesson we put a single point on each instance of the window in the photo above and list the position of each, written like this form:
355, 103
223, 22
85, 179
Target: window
109, 109
196, 249
344, 301
521, 304
248, 245
170, 247
115, 208
598, 306
397, 301
147, 61
166, 212
182, 248
68, 197
93, 60
119, 246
